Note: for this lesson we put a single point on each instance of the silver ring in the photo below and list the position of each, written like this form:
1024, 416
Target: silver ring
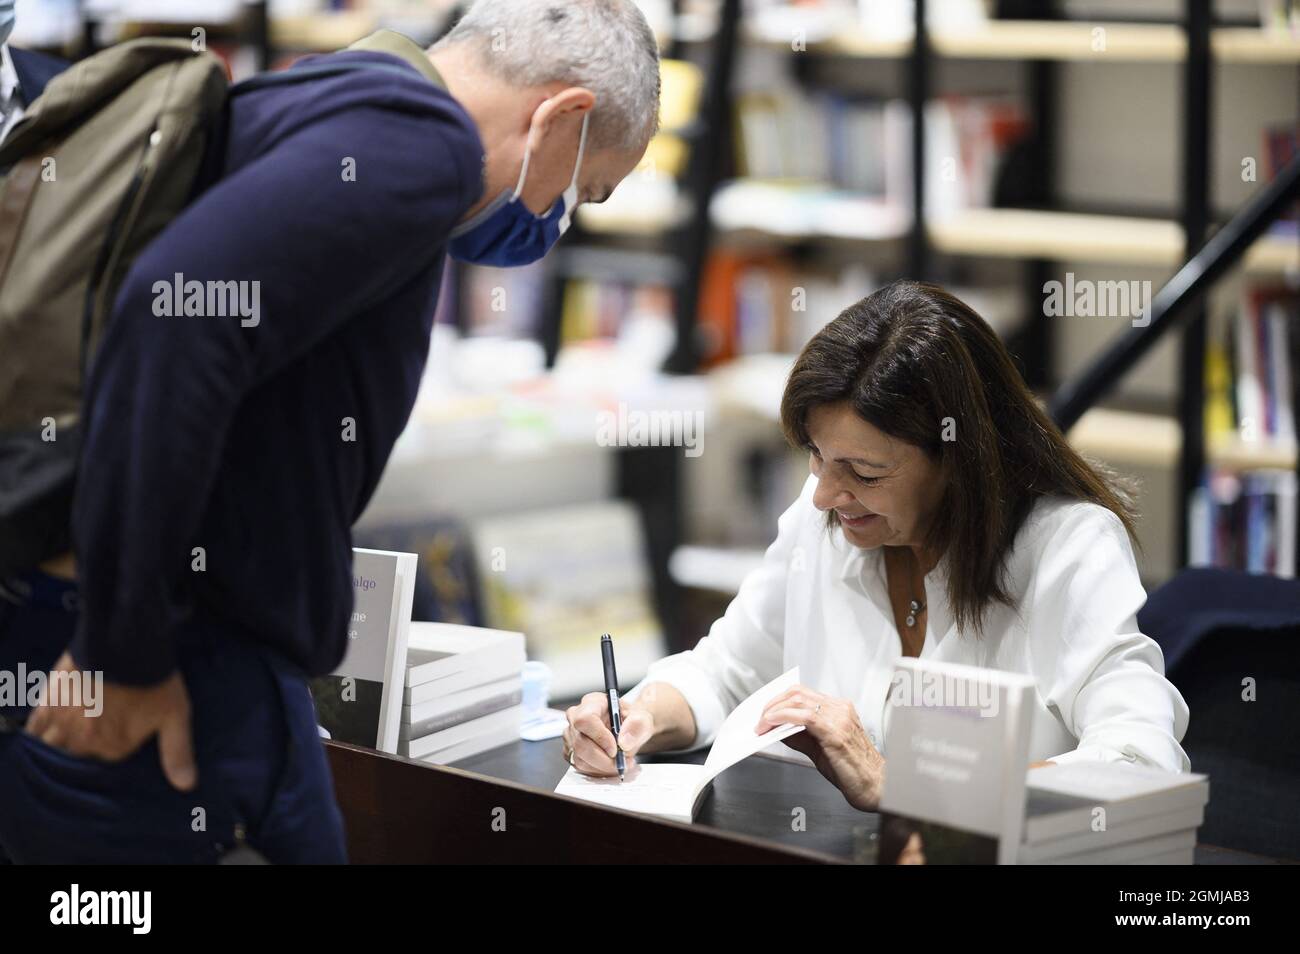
818, 709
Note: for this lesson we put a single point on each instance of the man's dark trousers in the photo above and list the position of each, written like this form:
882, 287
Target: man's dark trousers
261, 765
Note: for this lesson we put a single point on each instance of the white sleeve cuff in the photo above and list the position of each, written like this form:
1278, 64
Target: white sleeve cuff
680, 672
1142, 744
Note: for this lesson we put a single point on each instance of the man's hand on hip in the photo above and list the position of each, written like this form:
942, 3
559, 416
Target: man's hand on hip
128, 717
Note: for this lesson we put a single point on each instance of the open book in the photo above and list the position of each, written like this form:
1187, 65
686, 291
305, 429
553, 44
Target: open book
674, 790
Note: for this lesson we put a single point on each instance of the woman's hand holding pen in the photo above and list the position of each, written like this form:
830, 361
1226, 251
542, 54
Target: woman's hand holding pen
834, 739
589, 744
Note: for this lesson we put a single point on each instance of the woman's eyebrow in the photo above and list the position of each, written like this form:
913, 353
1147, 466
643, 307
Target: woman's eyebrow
859, 460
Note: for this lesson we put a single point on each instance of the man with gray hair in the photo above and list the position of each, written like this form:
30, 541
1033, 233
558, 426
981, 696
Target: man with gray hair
598, 63
337, 192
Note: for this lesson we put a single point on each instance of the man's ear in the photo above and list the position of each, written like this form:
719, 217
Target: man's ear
574, 102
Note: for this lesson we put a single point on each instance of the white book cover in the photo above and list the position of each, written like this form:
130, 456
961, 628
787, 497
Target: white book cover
461, 707
1285, 516
1250, 406
507, 665
1139, 829
1080, 797
444, 649
674, 790
484, 725
361, 701
1051, 817
1112, 781
1133, 853
494, 739
957, 744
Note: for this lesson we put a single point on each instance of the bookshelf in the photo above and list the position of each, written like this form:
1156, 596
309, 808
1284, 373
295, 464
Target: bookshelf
1060, 40
1043, 233
1154, 440
1038, 233
321, 32
1078, 237
684, 232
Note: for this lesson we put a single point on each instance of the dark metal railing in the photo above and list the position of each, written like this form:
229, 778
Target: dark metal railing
1175, 300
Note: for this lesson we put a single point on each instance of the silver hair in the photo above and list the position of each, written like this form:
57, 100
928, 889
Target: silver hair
605, 46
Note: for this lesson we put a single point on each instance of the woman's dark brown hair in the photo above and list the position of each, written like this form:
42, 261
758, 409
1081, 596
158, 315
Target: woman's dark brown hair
910, 359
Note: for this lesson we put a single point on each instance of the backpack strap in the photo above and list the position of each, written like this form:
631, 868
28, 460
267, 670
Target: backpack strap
404, 48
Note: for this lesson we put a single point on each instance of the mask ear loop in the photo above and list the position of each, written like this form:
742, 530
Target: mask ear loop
572, 190
528, 151
523, 171
582, 145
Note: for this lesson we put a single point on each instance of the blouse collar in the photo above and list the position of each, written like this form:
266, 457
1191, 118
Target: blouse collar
866, 570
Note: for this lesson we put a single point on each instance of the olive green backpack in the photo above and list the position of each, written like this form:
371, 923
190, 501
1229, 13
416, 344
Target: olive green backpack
113, 149
99, 164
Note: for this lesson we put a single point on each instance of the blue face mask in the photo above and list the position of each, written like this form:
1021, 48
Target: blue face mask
505, 232
7, 17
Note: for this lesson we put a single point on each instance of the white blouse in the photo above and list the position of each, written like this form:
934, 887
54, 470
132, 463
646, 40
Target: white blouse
820, 603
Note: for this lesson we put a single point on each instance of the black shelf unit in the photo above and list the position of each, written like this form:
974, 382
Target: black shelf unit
253, 28
651, 477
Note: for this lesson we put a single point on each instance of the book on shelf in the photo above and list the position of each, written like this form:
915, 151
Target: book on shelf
565, 575
1244, 516
1281, 145
500, 302
445, 588
1245, 521
762, 303
862, 145
592, 309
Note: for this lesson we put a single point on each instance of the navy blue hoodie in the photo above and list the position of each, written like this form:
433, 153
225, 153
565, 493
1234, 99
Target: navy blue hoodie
212, 432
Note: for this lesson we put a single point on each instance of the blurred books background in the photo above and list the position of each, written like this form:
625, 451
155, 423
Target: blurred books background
780, 190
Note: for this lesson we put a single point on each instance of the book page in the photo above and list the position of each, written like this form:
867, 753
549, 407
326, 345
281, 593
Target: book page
737, 740
667, 789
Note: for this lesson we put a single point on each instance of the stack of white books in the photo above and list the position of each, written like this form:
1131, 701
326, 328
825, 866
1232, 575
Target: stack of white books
464, 687
1111, 813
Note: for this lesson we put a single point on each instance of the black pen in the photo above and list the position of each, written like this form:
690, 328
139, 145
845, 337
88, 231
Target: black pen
611, 692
